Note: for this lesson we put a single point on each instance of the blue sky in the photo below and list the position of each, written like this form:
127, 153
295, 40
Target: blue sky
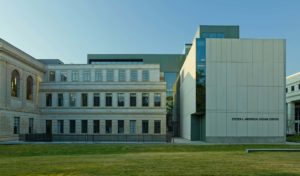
70, 29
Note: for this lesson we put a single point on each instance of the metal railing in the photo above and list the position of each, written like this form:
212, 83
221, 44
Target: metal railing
96, 137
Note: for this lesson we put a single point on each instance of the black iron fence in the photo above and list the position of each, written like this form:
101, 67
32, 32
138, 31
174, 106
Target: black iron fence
96, 137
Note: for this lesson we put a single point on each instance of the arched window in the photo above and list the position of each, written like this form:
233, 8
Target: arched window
29, 86
15, 84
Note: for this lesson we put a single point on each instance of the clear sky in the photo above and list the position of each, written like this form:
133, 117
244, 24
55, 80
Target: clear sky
71, 29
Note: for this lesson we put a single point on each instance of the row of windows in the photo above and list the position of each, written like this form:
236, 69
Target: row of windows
292, 88
110, 74
108, 126
16, 129
15, 85
108, 99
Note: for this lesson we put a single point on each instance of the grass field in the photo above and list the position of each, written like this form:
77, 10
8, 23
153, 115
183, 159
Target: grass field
145, 159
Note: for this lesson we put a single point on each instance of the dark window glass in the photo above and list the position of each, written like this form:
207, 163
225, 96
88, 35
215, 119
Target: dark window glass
286, 90
16, 125
72, 126
120, 126
15, 83
120, 99
145, 126
157, 100
84, 127
30, 126
72, 99
60, 126
298, 86
145, 99
297, 130
63, 76
49, 99
29, 86
96, 99
96, 126
157, 126
292, 88
84, 99
60, 99
132, 99
51, 76
108, 99
108, 126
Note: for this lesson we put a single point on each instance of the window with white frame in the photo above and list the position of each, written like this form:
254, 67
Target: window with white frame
133, 75
122, 75
110, 75
145, 75
75, 76
98, 75
86, 75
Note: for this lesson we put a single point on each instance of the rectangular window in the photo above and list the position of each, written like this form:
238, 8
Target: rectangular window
98, 75
84, 126
72, 126
122, 75
30, 126
48, 99
60, 126
60, 99
63, 76
286, 90
145, 75
110, 75
75, 76
145, 99
157, 100
157, 126
86, 76
120, 126
108, 126
51, 76
292, 88
132, 99
96, 125
120, 99
96, 99
84, 99
132, 124
72, 99
145, 126
108, 99
16, 125
133, 75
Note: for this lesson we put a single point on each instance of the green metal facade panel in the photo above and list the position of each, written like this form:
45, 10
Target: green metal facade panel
167, 62
229, 31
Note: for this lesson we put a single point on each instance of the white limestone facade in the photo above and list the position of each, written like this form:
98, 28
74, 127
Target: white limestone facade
19, 113
293, 103
103, 99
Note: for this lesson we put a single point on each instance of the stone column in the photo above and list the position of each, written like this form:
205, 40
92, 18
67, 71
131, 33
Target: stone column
3, 83
291, 118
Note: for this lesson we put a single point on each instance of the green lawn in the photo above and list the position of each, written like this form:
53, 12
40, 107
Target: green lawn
145, 159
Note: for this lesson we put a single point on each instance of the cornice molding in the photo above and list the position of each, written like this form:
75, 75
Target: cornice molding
11, 50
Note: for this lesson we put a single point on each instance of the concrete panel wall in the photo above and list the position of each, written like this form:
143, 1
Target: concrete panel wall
245, 90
